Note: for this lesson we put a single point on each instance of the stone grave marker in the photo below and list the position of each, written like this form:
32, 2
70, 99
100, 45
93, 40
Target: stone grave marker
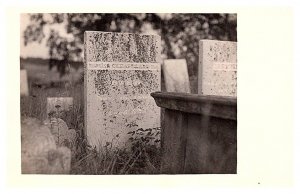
57, 105
59, 115
63, 136
176, 75
217, 68
23, 83
39, 152
121, 70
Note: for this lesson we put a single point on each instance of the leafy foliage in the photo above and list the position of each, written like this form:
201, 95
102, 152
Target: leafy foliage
180, 32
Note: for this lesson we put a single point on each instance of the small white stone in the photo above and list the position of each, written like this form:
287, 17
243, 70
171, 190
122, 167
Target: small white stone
56, 105
176, 75
24, 91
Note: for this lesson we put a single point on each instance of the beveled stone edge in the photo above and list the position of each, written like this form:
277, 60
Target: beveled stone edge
215, 106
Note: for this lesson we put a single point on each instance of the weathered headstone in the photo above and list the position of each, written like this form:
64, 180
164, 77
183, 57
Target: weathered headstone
23, 83
217, 68
121, 70
39, 153
63, 136
176, 75
57, 106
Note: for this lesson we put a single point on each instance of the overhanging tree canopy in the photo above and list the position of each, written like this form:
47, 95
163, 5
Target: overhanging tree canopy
180, 32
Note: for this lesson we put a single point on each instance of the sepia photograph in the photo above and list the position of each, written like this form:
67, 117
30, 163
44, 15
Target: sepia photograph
128, 93
149, 97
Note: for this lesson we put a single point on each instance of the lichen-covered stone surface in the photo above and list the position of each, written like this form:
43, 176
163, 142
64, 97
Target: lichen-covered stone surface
121, 47
176, 76
217, 68
121, 70
63, 136
23, 83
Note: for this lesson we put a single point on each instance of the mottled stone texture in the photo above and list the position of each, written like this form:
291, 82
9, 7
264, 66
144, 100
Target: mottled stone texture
121, 70
176, 76
39, 153
63, 135
56, 105
217, 68
23, 83
199, 134
121, 47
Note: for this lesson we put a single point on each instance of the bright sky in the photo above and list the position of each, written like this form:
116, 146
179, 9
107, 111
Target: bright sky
35, 49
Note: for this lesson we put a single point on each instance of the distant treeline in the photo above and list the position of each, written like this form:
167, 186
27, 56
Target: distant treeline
40, 61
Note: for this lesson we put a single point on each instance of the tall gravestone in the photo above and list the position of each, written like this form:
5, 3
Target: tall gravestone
121, 70
23, 83
176, 75
217, 68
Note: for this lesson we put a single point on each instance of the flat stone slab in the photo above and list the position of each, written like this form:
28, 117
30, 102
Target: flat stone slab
217, 68
176, 75
121, 70
215, 106
24, 91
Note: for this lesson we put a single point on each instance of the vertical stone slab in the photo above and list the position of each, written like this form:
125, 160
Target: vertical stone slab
121, 70
211, 145
59, 104
176, 75
23, 83
217, 68
174, 142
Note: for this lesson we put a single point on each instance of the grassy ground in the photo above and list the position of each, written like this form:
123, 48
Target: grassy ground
140, 159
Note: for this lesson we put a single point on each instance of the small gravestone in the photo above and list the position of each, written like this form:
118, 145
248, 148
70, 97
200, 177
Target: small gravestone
176, 76
57, 106
39, 152
63, 136
121, 70
23, 83
217, 68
